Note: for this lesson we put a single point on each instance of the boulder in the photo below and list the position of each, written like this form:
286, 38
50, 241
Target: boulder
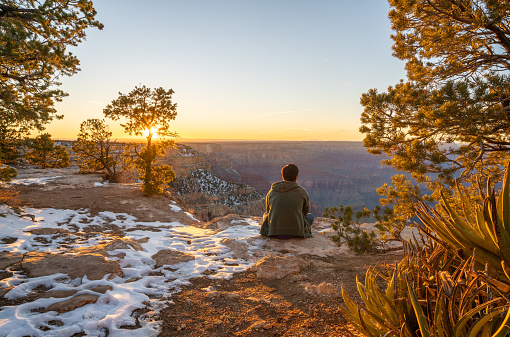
94, 266
277, 267
72, 303
8, 259
169, 257
320, 245
223, 222
323, 289
49, 231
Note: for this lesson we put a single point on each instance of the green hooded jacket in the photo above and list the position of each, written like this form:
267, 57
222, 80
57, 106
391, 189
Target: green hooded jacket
287, 203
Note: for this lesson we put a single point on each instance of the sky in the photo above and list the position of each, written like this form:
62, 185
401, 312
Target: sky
243, 70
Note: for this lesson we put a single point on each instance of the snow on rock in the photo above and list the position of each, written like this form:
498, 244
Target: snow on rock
110, 274
33, 181
85, 274
170, 257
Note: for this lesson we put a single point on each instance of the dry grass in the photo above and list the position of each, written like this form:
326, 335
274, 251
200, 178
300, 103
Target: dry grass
10, 196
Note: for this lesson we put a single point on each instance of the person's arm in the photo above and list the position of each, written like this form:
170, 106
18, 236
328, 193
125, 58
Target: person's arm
306, 205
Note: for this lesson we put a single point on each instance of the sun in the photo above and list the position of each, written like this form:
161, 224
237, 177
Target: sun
154, 131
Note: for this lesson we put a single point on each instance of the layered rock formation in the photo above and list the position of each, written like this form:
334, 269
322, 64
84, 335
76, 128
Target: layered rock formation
206, 194
334, 173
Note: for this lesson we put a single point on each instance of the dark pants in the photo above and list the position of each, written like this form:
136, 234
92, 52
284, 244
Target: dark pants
310, 218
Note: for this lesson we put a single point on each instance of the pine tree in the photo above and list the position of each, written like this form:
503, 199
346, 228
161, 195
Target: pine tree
451, 117
94, 150
150, 112
45, 153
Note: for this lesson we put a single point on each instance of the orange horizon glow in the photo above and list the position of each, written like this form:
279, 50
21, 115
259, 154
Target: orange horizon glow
202, 133
153, 131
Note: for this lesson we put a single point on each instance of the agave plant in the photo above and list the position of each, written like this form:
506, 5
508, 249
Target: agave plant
431, 292
483, 232
454, 283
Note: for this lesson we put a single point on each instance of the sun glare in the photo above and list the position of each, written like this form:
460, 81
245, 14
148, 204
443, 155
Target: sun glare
154, 132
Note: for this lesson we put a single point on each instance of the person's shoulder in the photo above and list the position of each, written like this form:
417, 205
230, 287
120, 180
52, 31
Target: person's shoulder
303, 190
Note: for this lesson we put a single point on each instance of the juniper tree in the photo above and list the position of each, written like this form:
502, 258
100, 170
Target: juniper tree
34, 36
44, 152
95, 151
451, 116
147, 111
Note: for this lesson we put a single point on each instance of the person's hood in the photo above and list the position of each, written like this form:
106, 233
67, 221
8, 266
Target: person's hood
284, 186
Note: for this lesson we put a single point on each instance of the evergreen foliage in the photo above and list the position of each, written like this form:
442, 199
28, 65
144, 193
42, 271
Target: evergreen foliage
34, 36
44, 152
7, 173
95, 151
451, 117
402, 196
149, 111
34, 39
348, 230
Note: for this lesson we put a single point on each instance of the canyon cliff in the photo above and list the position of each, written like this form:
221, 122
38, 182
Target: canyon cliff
206, 195
333, 173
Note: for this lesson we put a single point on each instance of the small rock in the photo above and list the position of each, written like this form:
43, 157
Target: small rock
259, 325
231, 295
142, 240
321, 289
8, 240
133, 279
58, 293
8, 259
213, 294
48, 231
4, 291
169, 257
73, 303
101, 289
277, 267
268, 326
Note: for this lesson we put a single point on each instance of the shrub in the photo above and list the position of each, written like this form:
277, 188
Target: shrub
349, 231
45, 153
95, 151
453, 284
7, 173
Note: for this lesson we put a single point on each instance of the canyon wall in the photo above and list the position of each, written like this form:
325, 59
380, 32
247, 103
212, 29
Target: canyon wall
333, 173
207, 195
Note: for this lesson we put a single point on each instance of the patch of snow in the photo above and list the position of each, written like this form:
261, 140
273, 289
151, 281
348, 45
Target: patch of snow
33, 181
142, 284
175, 208
191, 216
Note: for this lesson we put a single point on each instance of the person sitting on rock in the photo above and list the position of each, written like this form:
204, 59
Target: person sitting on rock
287, 207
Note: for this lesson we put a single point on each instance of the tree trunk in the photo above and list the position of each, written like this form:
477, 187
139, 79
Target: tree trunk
148, 165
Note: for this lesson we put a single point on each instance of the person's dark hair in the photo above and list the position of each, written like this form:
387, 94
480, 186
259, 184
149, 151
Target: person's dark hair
290, 172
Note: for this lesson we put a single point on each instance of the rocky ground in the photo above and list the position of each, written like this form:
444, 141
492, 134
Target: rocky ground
291, 289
